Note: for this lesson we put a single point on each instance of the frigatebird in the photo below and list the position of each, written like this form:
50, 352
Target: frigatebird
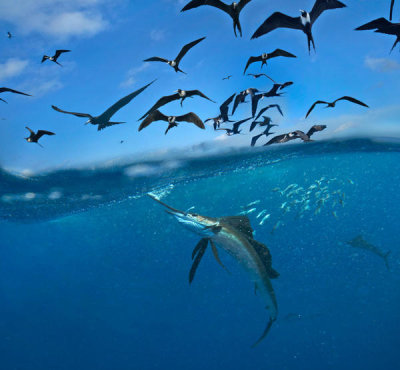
391, 9
265, 56
303, 23
296, 135
7, 89
333, 104
35, 136
175, 63
265, 132
180, 94
261, 75
382, 25
55, 57
267, 122
103, 120
241, 97
223, 116
233, 10
263, 110
227, 77
270, 94
9, 35
172, 120
235, 128
314, 129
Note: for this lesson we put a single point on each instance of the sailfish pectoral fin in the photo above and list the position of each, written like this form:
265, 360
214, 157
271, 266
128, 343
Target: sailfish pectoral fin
200, 250
216, 256
265, 333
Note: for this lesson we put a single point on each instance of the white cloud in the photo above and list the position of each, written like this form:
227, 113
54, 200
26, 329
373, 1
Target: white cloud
157, 35
131, 75
382, 64
55, 18
12, 67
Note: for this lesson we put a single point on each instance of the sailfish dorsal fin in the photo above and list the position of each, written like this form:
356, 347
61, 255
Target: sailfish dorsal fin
240, 223
265, 256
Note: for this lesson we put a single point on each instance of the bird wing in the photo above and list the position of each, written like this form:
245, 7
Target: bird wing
40, 133
302, 135
237, 124
252, 60
31, 131
281, 53
121, 103
286, 84
315, 129
321, 5
191, 117
276, 139
242, 4
278, 20
352, 100
255, 138
7, 89
391, 9
313, 106
45, 57
162, 101
380, 23
73, 113
186, 48
254, 103
102, 126
277, 107
261, 112
59, 52
152, 117
225, 106
199, 93
215, 3
239, 99
156, 59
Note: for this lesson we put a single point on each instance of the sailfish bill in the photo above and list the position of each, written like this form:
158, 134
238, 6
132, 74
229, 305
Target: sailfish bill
234, 235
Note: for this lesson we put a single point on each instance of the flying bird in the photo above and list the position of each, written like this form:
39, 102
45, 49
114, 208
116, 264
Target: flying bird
241, 97
175, 63
303, 23
223, 116
172, 120
263, 110
275, 91
264, 133
267, 122
35, 136
284, 138
235, 129
103, 120
391, 9
333, 104
314, 129
227, 77
265, 56
260, 75
55, 57
9, 35
382, 25
180, 94
6, 89
233, 10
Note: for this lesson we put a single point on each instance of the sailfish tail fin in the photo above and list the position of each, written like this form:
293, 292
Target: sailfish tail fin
385, 257
265, 333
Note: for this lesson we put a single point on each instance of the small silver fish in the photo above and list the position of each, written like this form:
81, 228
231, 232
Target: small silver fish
262, 213
265, 218
247, 212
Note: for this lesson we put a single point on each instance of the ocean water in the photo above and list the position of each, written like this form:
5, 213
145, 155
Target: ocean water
94, 274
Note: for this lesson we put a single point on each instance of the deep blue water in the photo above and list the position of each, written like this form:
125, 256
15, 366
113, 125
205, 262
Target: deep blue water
94, 275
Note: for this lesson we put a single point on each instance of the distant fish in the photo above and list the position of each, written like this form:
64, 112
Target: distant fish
335, 215
265, 218
360, 242
276, 226
350, 181
248, 211
252, 204
262, 213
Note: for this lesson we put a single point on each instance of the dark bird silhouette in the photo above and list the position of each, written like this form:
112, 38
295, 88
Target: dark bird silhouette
265, 56
382, 25
241, 97
55, 57
227, 77
303, 23
223, 116
103, 120
233, 10
235, 128
172, 120
9, 35
391, 9
314, 129
175, 63
267, 122
261, 75
333, 104
180, 94
264, 133
7, 89
35, 136
275, 91
263, 110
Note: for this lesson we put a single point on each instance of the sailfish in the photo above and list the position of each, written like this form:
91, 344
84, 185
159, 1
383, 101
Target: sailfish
234, 235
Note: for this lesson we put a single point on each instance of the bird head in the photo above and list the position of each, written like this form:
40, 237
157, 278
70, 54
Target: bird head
89, 121
28, 139
303, 13
172, 63
234, 5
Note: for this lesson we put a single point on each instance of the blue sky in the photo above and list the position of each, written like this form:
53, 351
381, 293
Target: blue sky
110, 38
